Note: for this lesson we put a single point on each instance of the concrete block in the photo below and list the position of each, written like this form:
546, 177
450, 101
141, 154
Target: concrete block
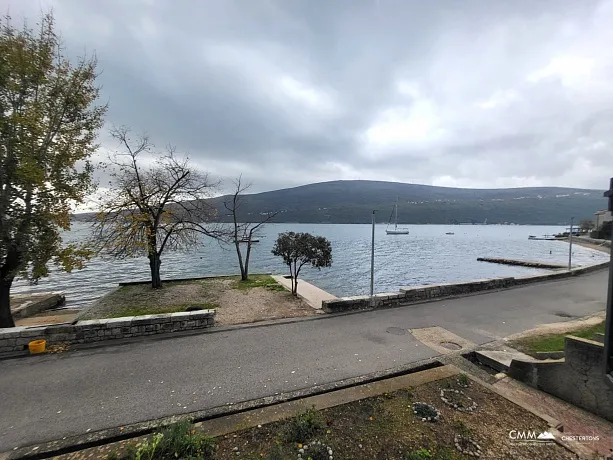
180, 316
142, 320
89, 323
119, 322
162, 318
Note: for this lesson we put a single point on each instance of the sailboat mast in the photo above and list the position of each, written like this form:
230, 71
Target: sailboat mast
396, 217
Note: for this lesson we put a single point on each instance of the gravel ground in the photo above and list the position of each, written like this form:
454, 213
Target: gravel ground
233, 305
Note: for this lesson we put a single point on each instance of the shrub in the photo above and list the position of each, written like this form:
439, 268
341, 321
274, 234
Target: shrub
421, 454
174, 442
463, 380
276, 453
304, 426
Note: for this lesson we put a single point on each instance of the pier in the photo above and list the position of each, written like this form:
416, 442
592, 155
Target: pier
523, 263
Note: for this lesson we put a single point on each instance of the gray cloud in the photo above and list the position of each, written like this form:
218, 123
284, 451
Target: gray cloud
472, 93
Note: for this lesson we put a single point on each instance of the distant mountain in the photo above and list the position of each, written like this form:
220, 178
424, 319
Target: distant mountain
341, 202
353, 202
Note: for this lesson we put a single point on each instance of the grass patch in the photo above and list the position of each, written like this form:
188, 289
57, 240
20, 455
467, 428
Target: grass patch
154, 310
174, 442
255, 281
554, 342
304, 426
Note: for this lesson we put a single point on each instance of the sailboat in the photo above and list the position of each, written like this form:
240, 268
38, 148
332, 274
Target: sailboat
396, 230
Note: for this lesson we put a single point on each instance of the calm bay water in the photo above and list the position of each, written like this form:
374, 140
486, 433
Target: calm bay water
427, 255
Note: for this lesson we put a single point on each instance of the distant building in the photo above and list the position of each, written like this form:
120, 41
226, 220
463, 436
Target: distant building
602, 217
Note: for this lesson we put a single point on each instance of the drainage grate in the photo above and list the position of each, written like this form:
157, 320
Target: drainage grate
396, 331
451, 345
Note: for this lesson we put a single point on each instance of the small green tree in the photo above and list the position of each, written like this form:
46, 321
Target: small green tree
48, 126
300, 249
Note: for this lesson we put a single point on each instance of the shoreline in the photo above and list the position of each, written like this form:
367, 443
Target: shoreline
587, 244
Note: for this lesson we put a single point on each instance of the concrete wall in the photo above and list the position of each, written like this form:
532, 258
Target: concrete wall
415, 294
16, 339
578, 378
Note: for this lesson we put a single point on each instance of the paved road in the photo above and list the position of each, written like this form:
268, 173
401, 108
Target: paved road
48, 397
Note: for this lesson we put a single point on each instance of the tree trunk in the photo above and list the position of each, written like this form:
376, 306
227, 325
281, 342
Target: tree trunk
154, 264
245, 273
240, 259
6, 318
295, 281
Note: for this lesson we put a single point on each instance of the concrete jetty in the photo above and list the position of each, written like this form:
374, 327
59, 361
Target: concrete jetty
522, 263
311, 294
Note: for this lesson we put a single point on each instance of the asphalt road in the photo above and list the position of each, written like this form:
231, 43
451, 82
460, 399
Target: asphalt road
52, 396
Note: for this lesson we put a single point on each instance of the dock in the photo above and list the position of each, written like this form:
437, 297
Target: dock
523, 263
311, 294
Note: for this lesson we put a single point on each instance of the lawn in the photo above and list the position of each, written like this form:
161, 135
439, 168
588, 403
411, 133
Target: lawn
554, 342
255, 281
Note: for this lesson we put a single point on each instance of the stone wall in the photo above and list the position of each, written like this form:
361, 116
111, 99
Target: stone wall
16, 339
416, 294
578, 378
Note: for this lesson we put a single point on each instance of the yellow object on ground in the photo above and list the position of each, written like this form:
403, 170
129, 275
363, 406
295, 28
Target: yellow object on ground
37, 346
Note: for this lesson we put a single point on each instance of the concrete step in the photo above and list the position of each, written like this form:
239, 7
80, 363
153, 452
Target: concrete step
501, 359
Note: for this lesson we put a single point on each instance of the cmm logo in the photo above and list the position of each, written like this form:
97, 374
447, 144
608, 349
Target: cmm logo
526, 435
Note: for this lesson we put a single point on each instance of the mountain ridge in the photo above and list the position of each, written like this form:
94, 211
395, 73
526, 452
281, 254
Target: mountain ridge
353, 201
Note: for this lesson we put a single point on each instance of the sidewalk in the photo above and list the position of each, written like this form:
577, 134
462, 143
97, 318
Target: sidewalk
310, 293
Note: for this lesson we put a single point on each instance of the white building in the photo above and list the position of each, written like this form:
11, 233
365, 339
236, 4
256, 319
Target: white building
602, 217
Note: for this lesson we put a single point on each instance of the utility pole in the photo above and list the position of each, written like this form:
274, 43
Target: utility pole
608, 338
570, 245
372, 263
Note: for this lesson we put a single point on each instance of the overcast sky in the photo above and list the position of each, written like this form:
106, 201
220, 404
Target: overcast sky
470, 93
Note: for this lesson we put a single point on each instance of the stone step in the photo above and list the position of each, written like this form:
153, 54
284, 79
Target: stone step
501, 359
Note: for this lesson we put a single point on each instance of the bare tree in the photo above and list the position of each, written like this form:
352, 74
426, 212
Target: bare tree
242, 231
152, 208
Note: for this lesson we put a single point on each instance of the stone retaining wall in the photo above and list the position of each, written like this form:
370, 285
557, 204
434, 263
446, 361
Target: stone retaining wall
16, 339
578, 378
415, 294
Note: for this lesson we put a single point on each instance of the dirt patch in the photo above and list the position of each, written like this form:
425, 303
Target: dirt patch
66, 316
385, 427
257, 304
379, 427
235, 302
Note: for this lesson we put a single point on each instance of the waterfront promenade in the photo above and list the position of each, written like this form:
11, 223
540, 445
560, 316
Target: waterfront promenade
52, 396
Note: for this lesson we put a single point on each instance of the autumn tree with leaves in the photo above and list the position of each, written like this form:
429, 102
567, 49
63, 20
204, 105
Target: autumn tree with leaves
48, 126
157, 201
243, 228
